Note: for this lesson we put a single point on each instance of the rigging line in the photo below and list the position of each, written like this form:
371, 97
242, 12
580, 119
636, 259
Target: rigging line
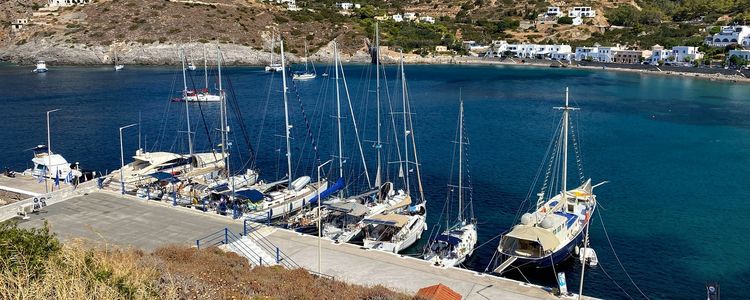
601, 266
240, 120
487, 242
164, 120
356, 130
308, 128
264, 114
203, 117
414, 143
618, 258
393, 123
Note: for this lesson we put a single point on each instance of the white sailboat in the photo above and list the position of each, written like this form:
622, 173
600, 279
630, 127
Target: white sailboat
402, 224
41, 67
118, 66
203, 95
272, 65
457, 242
306, 75
555, 228
278, 199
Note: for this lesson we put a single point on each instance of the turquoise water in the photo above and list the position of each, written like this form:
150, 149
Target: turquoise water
675, 150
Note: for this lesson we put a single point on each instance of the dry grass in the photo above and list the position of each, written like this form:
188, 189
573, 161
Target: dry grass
78, 271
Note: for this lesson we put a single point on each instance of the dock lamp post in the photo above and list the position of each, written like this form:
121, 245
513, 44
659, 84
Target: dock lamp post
320, 230
122, 160
49, 149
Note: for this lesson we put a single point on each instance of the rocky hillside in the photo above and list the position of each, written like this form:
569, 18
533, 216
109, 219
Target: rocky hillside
151, 31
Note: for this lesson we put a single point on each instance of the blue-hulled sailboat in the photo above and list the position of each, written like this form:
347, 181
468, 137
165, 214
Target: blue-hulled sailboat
556, 226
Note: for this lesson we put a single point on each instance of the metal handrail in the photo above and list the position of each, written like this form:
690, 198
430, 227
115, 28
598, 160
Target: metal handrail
266, 244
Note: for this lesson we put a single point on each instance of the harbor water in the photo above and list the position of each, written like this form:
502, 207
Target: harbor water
675, 150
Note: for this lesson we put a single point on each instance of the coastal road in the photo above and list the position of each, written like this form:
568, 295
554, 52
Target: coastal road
109, 218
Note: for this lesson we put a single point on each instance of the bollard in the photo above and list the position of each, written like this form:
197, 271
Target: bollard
226, 235
278, 258
260, 260
198, 244
270, 213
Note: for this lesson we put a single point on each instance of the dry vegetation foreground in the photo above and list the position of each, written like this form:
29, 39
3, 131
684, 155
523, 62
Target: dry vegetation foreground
34, 265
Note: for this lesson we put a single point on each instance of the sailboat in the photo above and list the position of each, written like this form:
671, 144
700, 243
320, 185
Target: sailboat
402, 224
196, 95
457, 242
41, 67
306, 75
273, 66
118, 66
276, 199
555, 228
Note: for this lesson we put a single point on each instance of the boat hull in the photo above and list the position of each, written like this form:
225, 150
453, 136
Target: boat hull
285, 208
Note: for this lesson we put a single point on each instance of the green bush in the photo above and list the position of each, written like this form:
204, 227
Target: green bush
565, 20
26, 248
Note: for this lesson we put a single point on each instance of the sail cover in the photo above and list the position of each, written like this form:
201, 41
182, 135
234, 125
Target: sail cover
330, 190
252, 195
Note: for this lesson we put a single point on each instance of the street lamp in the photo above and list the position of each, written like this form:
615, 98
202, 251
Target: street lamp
122, 160
320, 230
49, 149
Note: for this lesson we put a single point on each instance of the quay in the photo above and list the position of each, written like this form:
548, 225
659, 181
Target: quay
110, 218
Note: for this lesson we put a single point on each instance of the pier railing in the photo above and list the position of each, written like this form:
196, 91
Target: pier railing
250, 230
234, 242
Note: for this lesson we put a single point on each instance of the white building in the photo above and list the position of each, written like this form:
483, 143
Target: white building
57, 3
676, 55
740, 53
18, 24
345, 5
427, 19
730, 35
410, 16
554, 11
292, 5
533, 50
582, 11
597, 53
397, 18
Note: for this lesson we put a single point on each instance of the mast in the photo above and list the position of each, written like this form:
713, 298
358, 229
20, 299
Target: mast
286, 119
377, 97
222, 116
306, 58
187, 106
205, 66
338, 107
406, 130
566, 112
460, 160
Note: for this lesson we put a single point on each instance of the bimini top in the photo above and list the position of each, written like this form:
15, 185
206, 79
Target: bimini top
396, 220
544, 237
252, 195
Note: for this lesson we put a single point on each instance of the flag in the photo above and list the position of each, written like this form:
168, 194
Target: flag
57, 178
69, 178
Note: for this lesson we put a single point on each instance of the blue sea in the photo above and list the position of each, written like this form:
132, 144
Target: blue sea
676, 151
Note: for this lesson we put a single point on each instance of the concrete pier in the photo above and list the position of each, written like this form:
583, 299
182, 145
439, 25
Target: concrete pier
107, 217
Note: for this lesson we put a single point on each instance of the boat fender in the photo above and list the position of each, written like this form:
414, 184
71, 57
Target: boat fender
577, 250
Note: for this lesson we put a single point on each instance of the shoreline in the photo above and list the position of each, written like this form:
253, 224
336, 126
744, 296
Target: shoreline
360, 59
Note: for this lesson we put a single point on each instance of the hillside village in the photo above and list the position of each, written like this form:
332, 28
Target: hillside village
605, 31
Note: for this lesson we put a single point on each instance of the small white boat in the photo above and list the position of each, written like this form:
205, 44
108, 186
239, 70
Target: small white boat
191, 66
41, 67
118, 66
50, 165
307, 74
273, 66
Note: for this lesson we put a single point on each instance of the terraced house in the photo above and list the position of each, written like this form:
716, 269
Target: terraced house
730, 35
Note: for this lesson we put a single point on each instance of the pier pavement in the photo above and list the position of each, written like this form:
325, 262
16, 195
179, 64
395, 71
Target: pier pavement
107, 217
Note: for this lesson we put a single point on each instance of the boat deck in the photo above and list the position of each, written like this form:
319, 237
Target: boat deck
107, 217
